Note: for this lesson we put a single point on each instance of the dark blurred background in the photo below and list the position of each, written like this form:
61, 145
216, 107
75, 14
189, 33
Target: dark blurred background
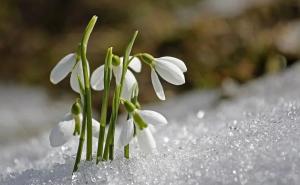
218, 39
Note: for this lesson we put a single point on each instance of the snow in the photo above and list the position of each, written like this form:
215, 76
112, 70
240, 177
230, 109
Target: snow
252, 138
27, 111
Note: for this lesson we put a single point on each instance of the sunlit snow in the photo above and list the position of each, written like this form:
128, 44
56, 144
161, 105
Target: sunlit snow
253, 138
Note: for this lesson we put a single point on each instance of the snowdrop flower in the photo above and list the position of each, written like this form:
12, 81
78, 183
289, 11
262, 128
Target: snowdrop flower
70, 126
169, 68
97, 78
68, 64
137, 125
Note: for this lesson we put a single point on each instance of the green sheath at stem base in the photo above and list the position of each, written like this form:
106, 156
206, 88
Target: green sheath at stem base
100, 144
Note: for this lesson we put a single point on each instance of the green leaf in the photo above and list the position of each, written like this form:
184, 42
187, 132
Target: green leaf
107, 68
129, 48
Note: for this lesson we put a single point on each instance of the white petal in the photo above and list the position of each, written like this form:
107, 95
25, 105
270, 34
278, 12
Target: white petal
77, 71
135, 64
179, 63
117, 70
68, 117
157, 85
128, 85
152, 117
97, 79
61, 133
170, 72
152, 128
146, 140
63, 68
126, 134
96, 128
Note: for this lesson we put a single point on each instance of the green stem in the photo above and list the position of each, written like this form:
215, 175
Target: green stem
109, 145
80, 145
110, 135
107, 79
106, 151
100, 144
82, 133
126, 151
111, 151
88, 96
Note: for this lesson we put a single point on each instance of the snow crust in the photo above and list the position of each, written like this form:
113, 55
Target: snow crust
253, 138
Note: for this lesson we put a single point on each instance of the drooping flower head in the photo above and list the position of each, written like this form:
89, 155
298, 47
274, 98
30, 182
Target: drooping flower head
137, 126
169, 68
71, 63
97, 78
70, 126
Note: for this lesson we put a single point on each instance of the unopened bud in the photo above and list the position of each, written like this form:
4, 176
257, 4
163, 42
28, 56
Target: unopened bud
76, 109
116, 60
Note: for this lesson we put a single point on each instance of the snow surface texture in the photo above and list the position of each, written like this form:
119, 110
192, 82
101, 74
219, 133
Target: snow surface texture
253, 138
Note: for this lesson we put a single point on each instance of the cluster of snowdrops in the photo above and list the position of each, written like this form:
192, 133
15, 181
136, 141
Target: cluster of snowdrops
79, 121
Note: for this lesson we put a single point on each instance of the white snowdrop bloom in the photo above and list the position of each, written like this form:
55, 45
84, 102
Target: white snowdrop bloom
127, 133
66, 65
146, 140
170, 69
97, 78
144, 137
63, 131
152, 117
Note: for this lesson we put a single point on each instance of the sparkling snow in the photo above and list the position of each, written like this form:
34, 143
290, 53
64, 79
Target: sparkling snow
253, 138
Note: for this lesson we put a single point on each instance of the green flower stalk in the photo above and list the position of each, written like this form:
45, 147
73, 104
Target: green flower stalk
95, 125
109, 145
87, 88
107, 79
83, 130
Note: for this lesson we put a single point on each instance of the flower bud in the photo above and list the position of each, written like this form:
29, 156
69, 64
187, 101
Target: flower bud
76, 109
147, 58
116, 60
